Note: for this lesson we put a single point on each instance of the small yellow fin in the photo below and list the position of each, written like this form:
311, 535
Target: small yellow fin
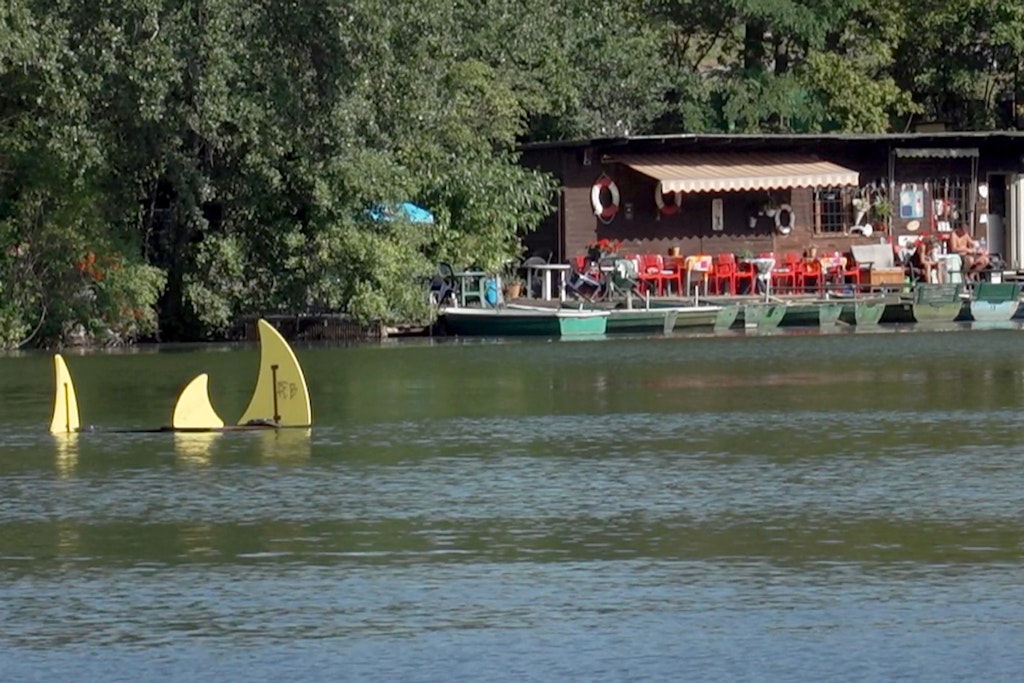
281, 395
193, 409
65, 403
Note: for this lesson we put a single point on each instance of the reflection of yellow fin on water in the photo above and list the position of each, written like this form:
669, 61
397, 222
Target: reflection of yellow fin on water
193, 409
65, 403
281, 395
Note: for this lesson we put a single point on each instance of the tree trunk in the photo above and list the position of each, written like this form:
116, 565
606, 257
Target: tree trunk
754, 52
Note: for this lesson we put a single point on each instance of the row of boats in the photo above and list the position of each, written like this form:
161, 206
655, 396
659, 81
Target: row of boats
927, 303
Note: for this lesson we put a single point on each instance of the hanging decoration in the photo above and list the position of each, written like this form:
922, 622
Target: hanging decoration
602, 186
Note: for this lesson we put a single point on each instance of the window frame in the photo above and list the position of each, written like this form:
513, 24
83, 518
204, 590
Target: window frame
839, 219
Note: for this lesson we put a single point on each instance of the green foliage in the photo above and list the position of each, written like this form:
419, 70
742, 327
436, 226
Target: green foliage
225, 153
963, 61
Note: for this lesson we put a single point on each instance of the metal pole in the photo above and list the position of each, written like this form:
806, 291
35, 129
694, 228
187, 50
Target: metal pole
273, 388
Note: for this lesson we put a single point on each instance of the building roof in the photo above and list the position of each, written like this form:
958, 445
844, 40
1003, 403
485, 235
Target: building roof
681, 139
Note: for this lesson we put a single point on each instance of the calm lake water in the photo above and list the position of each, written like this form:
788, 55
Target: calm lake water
789, 507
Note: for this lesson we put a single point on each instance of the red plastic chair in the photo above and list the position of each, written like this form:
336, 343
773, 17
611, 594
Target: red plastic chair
672, 272
810, 275
785, 276
727, 270
652, 273
850, 271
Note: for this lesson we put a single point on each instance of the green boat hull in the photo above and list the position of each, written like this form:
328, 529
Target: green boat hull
862, 313
524, 323
691, 317
583, 326
993, 311
763, 316
640, 321
937, 313
811, 314
698, 317
726, 317
995, 302
929, 303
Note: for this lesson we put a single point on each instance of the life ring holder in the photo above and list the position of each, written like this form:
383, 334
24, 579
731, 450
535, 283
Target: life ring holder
606, 212
667, 209
784, 229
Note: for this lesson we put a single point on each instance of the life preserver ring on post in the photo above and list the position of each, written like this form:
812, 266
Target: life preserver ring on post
784, 228
659, 200
605, 212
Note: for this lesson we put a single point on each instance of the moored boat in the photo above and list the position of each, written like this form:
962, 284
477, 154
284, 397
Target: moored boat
624, 320
690, 316
937, 302
520, 321
642, 320
703, 316
995, 302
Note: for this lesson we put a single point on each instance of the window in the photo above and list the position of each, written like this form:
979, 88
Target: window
950, 199
831, 210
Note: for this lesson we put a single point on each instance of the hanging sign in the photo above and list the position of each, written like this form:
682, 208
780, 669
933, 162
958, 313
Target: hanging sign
911, 201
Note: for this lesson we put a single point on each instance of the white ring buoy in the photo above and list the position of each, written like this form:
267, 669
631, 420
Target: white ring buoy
659, 200
784, 229
605, 212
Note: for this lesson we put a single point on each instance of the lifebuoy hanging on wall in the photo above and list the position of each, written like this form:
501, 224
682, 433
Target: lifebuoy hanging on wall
784, 220
605, 212
667, 209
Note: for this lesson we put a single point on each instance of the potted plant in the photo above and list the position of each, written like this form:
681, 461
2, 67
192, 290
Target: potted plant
513, 286
881, 212
602, 249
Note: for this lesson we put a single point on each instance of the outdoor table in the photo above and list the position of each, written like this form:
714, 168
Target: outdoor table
764, 267
544, 271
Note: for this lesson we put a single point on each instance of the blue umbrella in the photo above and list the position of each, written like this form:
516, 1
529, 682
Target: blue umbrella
407, 210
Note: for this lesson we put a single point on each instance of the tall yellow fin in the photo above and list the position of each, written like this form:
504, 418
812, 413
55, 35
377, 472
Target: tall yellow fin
281, 395
65, 403
193, 409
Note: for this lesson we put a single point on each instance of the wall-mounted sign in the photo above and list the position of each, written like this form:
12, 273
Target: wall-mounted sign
911, 201
717, 216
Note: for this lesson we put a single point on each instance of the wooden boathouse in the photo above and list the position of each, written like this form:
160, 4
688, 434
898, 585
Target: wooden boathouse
709, 194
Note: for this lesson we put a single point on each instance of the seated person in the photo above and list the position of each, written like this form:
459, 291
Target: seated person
925, 261
974, 258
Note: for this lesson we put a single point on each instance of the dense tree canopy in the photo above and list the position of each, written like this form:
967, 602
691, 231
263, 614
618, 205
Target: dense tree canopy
170, 165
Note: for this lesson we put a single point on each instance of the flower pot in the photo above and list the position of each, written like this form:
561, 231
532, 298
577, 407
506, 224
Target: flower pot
514, 290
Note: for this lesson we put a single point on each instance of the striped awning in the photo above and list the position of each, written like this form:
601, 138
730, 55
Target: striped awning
738, 171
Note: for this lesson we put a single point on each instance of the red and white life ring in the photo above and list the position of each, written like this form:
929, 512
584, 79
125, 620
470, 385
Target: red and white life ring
787, 227
605, 212
659, 199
